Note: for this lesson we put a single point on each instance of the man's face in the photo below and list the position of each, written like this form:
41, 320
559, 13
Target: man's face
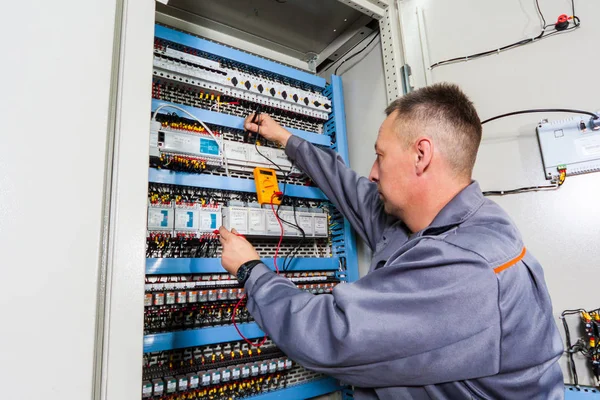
394, 167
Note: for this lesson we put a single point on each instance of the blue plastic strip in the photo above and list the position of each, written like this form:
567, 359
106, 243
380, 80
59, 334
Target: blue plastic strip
199, 337
224, 183
231, 121
166, 266
342, 148
304, 391
581, 393
188, 40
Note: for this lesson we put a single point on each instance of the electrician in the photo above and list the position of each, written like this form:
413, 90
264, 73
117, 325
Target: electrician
453, 307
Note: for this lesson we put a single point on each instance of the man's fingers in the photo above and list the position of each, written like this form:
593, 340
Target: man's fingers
250, 127
251, 124
225, 234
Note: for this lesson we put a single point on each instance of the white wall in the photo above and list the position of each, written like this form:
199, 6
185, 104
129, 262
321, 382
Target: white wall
55, 113
561, 228
365, 101
54, 109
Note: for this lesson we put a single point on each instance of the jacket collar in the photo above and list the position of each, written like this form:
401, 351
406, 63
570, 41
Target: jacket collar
458, 210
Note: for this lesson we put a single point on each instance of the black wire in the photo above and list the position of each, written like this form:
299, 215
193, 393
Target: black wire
543, 34
571, 361
571, 312
539, 110
520, 190
286, 176
292, 253
572, 366
537, 3
355, 54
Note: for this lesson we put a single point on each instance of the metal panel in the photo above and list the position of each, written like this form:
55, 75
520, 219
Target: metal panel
424, 46
166, 266
581, 393
393, 54
380, 3
346, 41
304, 391
304, 26
366, 7
224, 183
199, 337
126, 226
237, 55
229, 36
231, 121
339, 114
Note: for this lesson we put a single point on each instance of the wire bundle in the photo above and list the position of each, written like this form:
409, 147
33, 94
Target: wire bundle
557, 29
588, 345
280, 221
237, 306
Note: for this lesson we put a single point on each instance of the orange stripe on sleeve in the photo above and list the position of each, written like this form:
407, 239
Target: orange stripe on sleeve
511, 262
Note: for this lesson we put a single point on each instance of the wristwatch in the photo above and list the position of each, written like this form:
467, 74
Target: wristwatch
243, 272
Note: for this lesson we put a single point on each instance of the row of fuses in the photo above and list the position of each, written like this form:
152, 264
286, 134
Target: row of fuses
182, 383
186, 281
209, 281
251, 220
265, 90
166, 297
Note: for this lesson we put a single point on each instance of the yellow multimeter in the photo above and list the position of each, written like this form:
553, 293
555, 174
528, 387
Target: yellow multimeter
266, 186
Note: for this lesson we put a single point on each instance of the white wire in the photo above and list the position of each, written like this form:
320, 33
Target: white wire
219, 143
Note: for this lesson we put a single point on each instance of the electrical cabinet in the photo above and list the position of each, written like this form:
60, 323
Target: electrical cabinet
201, 176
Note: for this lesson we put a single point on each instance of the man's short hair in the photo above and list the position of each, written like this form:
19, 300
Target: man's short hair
445, 113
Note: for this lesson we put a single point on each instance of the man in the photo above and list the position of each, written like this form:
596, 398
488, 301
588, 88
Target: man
453, 307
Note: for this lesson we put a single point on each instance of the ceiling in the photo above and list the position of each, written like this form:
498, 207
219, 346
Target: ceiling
301, 25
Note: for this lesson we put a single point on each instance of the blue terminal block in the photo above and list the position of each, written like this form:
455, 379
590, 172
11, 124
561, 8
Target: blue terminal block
175, 266
302, 391
199, 337
223, 183
342, 147
219, 50
231, 121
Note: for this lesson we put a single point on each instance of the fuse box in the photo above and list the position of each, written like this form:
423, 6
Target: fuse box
199, 182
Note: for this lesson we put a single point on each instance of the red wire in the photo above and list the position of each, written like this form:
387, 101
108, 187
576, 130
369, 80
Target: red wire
237, 306
238, 329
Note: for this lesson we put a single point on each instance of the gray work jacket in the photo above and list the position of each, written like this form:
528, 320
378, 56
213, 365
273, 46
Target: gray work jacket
459, 310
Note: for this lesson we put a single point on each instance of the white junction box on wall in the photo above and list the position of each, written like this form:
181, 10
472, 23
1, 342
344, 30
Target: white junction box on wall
571, 142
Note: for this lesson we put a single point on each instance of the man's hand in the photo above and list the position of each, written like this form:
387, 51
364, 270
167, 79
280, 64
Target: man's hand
236, 250
269, 129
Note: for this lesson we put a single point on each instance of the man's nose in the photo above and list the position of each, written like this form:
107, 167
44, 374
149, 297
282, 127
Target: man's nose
374, 174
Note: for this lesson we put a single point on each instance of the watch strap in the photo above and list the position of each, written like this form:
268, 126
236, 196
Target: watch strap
248, 266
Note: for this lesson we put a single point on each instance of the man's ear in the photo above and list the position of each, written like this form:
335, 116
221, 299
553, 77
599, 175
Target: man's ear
424, 154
